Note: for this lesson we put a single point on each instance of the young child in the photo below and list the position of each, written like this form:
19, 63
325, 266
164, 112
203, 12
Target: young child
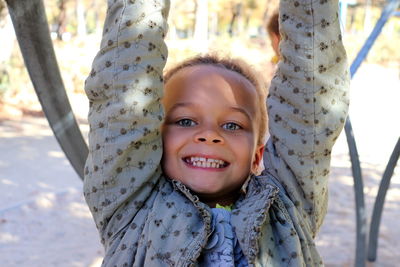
156, 183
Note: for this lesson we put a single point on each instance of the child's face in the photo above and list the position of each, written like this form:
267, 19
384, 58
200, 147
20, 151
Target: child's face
211, 130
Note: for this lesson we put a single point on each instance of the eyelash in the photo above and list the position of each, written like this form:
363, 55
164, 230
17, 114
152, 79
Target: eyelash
182, 124
237, 126
190, 123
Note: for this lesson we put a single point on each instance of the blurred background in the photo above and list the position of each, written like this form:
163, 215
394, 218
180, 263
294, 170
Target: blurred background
43, 218
231, 26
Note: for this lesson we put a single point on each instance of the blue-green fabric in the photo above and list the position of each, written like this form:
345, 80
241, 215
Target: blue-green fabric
223, 247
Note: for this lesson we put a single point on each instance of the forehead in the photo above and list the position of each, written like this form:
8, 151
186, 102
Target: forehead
211, 81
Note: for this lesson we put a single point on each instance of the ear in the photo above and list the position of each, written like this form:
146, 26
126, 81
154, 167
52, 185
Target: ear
275, 39
258, 165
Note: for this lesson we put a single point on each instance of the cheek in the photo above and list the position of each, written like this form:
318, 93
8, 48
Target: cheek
245, 149
173, 140
167, 142
167, 162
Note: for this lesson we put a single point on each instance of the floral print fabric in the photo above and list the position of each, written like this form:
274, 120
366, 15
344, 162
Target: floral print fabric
223, 248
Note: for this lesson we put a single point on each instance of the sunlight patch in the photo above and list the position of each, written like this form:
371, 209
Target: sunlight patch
6, 238
56, 154
79, 210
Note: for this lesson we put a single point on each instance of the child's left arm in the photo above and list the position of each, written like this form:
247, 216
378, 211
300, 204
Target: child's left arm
307, 104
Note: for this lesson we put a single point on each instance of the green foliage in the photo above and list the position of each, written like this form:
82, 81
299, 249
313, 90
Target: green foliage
2, 5
3, 10
251, 4
4, 81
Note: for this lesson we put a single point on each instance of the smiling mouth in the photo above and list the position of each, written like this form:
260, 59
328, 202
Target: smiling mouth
206, 162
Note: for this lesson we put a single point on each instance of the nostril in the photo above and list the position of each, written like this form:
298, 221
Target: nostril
208, 140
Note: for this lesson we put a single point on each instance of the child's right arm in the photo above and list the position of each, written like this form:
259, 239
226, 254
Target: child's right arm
307, 104
124, 89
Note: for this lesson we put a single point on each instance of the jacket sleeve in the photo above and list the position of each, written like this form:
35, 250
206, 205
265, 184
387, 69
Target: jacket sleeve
124, 89
307, 104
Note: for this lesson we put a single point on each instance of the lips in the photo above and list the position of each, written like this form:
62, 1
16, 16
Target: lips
204, 162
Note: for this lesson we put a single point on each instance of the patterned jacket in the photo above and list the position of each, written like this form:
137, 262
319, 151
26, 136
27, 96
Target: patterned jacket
146, 219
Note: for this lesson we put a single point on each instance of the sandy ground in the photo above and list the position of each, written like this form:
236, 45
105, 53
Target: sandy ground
44, 220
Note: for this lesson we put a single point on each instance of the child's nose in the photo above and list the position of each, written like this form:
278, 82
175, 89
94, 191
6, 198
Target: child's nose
209, 136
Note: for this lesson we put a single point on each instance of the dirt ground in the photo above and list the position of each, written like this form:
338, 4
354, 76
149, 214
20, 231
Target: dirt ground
44, 220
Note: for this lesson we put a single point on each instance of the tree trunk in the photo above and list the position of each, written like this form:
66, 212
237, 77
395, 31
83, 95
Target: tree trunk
62, 19
7, 36
235, 14
201, 26
367, 18
214, 24
80, 19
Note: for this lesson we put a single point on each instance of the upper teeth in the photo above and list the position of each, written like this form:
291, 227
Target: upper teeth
206, 162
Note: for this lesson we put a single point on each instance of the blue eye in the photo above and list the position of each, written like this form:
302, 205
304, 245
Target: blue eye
186, 123
231, 126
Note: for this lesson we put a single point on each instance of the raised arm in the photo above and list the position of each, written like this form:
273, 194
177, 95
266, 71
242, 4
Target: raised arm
124, 88
307, 103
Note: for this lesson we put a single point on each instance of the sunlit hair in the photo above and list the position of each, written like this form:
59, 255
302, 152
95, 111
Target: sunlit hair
273, 24
236, 65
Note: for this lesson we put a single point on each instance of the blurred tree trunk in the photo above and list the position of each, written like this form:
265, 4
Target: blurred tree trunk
367, 17
236, 9
92, 17
7, 39
251, 5
7, 35
61, 22
214, 24
201, 25
80, 18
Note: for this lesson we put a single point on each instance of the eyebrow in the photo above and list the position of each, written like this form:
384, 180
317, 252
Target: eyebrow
188, 104
243, 111
178, 105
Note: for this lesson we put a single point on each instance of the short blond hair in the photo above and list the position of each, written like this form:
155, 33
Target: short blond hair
236, 65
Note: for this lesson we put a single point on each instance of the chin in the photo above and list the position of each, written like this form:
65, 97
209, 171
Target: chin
211, 189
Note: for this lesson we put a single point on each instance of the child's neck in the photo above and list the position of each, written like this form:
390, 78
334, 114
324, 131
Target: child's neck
225, 200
